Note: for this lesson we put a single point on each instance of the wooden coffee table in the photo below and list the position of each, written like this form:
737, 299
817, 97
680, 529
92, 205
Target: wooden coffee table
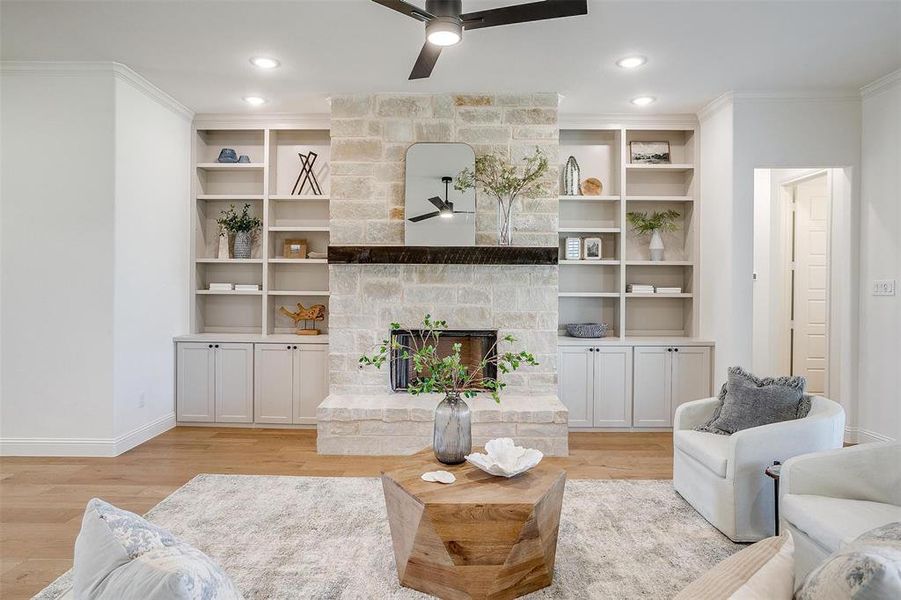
479, 537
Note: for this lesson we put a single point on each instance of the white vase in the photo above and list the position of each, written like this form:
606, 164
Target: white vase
656, 246
223, 246
505, 221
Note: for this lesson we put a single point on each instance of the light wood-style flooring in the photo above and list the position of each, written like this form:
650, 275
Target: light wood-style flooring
42, 499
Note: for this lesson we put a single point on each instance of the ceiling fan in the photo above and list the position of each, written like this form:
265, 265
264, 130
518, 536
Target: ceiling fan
445, 207
445, 21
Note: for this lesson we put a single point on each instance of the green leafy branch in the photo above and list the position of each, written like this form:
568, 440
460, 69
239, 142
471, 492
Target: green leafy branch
229, 220
643, 224
446, 374
503, 179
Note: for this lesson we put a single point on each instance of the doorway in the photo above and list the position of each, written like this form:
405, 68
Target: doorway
792, 274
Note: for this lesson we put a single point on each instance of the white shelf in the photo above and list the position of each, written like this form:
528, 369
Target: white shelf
229, 261
298, 292
588, 229
590, 263
228, 293
299, 228
659, 263
589, 294
633, 295
226, 197
231, 166
659, 199
662, 167
589, 198
299, 261
298, 198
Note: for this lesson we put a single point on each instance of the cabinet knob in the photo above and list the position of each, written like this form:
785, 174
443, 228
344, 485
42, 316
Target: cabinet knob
591, 349
675, 349
669, 349
211, 346
216, 345
288, 347
295, 347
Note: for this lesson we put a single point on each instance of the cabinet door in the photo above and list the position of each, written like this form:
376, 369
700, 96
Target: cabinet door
575, 372
196, 388
273, 383
311, 377
652, 387
691, 374
234, 383
613, 387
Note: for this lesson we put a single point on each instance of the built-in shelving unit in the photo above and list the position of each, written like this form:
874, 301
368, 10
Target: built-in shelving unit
596, 290
266, 183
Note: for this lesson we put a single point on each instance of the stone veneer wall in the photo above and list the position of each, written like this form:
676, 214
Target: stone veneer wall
370, 137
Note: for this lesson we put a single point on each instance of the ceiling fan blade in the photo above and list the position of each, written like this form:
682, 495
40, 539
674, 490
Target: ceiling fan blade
406, 8
522, 13
419, 218
438, 202
428, 56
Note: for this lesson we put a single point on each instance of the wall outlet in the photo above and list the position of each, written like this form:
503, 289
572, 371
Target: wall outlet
141, 400
884, 287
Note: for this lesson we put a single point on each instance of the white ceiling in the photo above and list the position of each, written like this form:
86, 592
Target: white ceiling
198, 51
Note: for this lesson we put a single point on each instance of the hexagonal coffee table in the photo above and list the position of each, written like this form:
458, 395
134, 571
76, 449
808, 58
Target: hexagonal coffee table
479, 537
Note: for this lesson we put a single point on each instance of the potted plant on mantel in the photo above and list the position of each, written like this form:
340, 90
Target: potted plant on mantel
241, 226
506, 182
644, 224
448, 375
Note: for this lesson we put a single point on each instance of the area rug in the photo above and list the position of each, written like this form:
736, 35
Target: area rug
327, 538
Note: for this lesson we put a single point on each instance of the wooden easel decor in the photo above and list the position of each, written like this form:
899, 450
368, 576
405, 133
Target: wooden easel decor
307, 316
306, 173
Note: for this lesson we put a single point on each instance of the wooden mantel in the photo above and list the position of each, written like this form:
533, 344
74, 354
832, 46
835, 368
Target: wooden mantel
443, 255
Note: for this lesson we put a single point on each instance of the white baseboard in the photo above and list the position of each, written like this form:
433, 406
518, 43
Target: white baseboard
859, 435
98, 447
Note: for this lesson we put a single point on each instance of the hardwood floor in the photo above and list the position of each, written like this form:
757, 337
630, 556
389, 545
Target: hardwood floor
42, 499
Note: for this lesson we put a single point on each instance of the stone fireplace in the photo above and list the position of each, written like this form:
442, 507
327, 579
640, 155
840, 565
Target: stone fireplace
370, 135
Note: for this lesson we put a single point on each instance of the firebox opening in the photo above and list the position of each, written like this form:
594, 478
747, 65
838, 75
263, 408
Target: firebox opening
476, 345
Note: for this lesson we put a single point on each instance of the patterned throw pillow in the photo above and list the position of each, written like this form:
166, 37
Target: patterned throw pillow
748, 401
121, 555
869, 568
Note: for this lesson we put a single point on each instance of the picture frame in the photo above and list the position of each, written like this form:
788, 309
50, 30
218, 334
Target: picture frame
573, 248
649, 153
592, 248
294, 248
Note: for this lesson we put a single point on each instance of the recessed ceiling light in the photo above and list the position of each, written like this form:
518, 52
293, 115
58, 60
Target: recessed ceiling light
643, 100
264, 62
631, 62
254, 100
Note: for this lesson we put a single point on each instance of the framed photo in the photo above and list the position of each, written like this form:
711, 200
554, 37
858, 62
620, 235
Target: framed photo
592, 248
573, 248
295, 249
649, 153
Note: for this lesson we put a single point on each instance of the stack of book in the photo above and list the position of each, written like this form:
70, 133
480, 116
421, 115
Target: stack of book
669, 290
221, 287
247, 287
639, 288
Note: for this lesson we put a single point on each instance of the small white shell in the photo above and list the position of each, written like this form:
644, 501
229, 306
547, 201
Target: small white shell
438, 477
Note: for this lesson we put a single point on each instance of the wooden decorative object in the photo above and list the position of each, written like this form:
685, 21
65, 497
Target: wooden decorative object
305, 316
591, 187
294, 248
479, 537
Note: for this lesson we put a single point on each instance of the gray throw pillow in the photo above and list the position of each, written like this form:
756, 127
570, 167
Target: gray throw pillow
869, 568
747, 401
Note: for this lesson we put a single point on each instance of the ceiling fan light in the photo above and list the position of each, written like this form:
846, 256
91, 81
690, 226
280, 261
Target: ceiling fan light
444, 31
446, 213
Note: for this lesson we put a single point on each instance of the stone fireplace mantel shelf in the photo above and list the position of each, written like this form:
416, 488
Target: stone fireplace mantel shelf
442, 255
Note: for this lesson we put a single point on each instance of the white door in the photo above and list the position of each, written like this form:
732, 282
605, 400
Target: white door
195, 398
311, 381
690, 375
811, 280
652, 386
613, 387
575, 383
273, 383
234, 383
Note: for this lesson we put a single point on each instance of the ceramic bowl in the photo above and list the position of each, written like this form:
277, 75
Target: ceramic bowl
504, 458
243, 159
587, 330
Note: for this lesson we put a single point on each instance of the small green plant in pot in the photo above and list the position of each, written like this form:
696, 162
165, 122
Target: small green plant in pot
242, 226
644, 224
449, 375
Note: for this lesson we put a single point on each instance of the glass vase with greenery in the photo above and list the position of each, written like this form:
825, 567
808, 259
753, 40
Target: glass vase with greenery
242, 226
653, 224
449, 375
506, 182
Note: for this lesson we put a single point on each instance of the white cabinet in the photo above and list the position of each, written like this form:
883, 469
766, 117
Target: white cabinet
595, 385
214, 383
665, 377
290, 382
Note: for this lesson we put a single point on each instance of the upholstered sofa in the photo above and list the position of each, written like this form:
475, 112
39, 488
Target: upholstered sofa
828, 499
722, 476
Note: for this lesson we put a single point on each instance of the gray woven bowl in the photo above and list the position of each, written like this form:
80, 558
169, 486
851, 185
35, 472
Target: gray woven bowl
587, 330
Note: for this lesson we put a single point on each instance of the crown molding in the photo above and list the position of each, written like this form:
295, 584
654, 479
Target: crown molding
882, 84
262, 121
715, 105
797, 96
626, 120
117, 70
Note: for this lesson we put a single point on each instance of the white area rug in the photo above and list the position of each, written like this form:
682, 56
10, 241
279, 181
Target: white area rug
327, 537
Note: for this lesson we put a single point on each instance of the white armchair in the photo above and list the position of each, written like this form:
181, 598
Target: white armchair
722, 476
830, 498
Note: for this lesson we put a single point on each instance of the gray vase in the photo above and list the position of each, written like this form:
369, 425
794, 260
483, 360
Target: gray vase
453, 430
242, 244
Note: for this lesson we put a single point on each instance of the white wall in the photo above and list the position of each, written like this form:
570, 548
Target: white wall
94, 274
880, 258
57, 236
153, 148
